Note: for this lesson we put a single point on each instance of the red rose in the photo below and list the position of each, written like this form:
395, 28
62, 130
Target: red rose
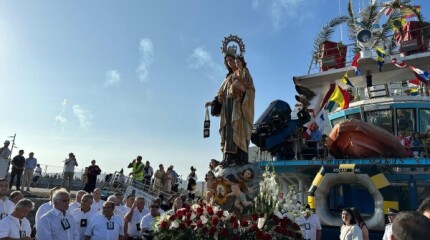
188, 215
199, 210
181, 225
210, 210
224, 232
164, 224
296, 227
259, 234
199, 223
233, 219
212, 231
267, 236
254, 227
188, 207
244, 223
220, 213
276, 220
254, 217
235, 225
188, 222
215, 220
172, 218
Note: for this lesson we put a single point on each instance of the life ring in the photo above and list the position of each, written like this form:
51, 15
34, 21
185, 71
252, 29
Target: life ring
369, 176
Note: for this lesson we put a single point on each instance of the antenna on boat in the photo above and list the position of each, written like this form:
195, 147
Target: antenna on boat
341, 31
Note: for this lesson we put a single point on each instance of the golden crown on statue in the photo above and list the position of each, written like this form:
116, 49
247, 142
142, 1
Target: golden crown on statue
232, 49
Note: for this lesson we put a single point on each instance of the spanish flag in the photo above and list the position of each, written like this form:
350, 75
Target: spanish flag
341, 97
345, 79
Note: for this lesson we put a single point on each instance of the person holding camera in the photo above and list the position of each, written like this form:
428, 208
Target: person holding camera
69, 171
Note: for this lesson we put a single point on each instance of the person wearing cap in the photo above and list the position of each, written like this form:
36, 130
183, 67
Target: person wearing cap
388, 228
6, 205
4, 158
309, 224
17, 168
29, 166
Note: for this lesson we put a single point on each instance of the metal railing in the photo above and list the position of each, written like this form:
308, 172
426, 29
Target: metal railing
423, 42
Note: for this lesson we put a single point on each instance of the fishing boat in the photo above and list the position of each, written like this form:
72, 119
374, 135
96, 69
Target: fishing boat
347, 141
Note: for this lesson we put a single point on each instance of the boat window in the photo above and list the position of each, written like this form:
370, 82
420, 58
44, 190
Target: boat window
405, 120
381, 118
424, 120
334, 122
356, 116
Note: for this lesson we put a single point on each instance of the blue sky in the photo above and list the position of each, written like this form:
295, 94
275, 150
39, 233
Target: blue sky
109, 80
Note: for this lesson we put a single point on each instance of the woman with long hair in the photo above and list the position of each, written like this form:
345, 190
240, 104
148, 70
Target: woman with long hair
349, 229
361, 223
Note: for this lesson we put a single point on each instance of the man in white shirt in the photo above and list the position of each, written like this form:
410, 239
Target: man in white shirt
146, 223
97, 202
77, 203
4, 159
15, 196
6, 205
58, 224
69, 171
46, 207
388, 228
16, 225
107, 226
133, 217
84, 214
309, 225
37, 175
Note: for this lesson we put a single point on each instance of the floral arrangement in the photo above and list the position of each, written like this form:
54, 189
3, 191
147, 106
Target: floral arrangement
272, 219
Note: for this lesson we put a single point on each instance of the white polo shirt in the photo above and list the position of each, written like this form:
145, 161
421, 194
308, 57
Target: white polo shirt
83, 220
54, 225
73, 206
101, 228
309, 226
12, 227
43, 209
388, 232
121, 211
133, 229
97, 205
146, 222
6, 207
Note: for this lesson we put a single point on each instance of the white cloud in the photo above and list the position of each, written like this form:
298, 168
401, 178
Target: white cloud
60, 119
83, 115
281, 11
201, 59
146, 49
64, 103
112, 78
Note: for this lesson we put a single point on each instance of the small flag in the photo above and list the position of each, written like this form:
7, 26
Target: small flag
413, 83
355, 64
345, 79
388, 11
421, 75
316, 127
381, 57
341, 97
398, 63
406, 12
